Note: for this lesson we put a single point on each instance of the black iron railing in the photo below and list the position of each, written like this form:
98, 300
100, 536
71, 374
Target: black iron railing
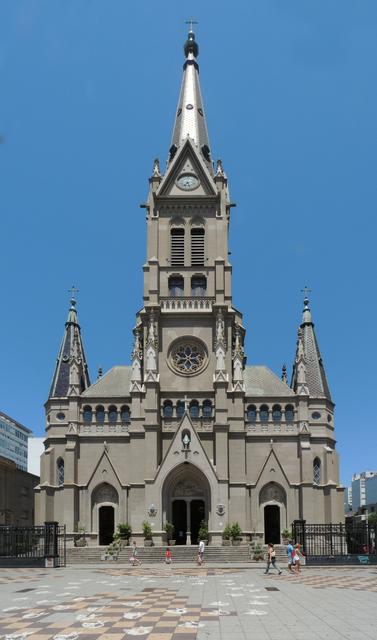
336, 541
37, 545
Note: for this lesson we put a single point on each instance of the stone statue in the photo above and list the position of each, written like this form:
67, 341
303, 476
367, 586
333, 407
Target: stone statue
151, 358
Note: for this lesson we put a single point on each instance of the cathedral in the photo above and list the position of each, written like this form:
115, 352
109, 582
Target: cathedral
188, 433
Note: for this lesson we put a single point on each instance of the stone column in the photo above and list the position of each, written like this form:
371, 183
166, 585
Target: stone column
188, 522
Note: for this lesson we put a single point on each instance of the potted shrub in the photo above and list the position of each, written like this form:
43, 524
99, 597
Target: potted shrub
169, 530
286, 535
79, 538
203, 531
257, 551
124, 532
235, 533
147, 533
226, 536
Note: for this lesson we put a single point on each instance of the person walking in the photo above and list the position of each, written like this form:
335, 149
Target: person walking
168, 556
297, 558
134, 560
271, 559
290, 554
201, 552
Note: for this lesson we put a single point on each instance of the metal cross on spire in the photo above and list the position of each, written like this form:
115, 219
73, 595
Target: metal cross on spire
191, 21
305, 291
73, 290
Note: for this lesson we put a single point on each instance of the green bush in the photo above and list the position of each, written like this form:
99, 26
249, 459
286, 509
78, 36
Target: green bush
287, 534
124, 531
147, 530
227, 532
372, 519
203, 530
235, 531
169, 530
257, 551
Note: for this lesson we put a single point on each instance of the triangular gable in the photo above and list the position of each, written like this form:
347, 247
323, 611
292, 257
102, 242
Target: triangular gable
104, 471
277, 475
194, 454
187, 160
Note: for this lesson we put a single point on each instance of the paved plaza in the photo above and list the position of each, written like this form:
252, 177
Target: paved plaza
186, 603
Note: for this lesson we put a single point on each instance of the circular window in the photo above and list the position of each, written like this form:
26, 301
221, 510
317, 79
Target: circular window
188, 356
316, 415
329, 417
189, 106
60, 416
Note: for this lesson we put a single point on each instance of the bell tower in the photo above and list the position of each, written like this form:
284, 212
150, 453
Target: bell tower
189, 334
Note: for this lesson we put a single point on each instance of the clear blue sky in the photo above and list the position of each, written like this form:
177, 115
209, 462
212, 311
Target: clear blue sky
89, 90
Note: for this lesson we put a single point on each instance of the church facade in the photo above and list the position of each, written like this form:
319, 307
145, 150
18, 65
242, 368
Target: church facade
188, 433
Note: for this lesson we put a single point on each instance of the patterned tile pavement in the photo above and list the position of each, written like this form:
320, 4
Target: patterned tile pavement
168, 571
318, 581
186, 603
154, 613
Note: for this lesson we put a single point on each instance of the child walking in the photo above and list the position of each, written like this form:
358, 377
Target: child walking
168, 558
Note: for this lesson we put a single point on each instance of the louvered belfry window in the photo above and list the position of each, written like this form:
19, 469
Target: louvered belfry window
177, 247
197, 247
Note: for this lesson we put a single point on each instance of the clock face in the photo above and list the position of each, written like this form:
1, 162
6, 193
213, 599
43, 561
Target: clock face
187, 181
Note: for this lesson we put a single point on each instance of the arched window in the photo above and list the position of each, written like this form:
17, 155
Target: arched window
167, 409
251, 413
100, 414
60, 471
113, 414
263, 413
207, 409
198, 286
88, 414
194, 409
197, 247
180, 408
176, 286
317, 471
125, 414
289, 413
177, 247
276, 413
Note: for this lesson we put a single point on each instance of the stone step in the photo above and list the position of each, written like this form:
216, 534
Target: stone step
76, 555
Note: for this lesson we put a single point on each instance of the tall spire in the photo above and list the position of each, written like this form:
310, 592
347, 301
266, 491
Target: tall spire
308, 356
71, 375
190, 120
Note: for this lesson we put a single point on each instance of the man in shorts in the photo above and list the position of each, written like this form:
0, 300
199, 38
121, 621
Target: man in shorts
201, 552
290, 554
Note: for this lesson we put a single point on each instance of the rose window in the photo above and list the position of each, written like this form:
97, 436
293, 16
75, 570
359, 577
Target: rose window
188, 357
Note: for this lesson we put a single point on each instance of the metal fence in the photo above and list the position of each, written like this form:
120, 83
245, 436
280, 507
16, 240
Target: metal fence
33, 546
348, 543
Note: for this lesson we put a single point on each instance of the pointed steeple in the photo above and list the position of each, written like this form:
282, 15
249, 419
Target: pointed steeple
308, 360
71, 375
190, 121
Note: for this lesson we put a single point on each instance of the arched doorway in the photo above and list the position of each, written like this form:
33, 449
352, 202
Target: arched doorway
272, 524
105, 525
272, 502
105, 501
186, 502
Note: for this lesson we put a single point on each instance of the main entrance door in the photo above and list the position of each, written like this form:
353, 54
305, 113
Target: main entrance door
272, 524
180, 521
197, 513
106, 525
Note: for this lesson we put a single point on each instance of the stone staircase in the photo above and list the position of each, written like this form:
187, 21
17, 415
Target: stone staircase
155, 555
